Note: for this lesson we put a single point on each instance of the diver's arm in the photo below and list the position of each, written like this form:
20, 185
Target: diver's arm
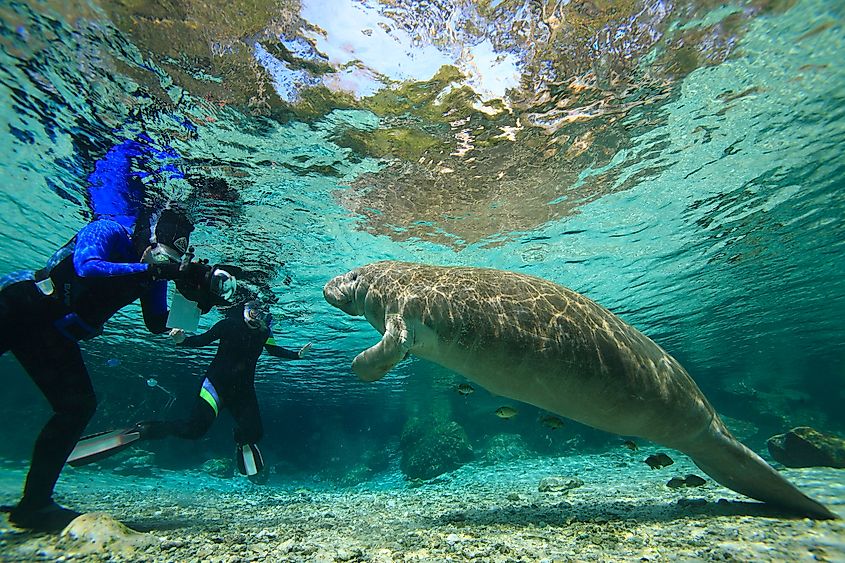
206, 338
284, 353
154, 307
279, 352
95, 243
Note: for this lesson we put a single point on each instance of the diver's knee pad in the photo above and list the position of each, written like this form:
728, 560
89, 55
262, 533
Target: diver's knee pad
249, 459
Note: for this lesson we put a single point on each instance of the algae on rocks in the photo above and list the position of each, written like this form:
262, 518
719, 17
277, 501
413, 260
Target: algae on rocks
807, 447
430, 448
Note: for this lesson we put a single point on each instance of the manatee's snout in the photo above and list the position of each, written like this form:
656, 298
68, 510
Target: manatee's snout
340, 293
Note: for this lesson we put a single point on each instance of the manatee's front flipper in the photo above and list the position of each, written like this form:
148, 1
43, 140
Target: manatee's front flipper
373, 363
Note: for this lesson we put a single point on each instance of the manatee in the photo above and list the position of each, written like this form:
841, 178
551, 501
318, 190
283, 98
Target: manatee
532, 340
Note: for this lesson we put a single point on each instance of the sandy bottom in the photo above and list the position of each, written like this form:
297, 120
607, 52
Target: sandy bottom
622, 512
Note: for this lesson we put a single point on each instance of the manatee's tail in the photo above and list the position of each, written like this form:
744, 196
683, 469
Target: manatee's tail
735, 466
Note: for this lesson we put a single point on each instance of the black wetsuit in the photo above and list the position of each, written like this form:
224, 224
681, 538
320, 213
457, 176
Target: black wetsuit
92, 277
229, 382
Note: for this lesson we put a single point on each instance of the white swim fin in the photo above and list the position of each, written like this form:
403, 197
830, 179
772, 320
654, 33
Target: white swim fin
102, 445
249, 459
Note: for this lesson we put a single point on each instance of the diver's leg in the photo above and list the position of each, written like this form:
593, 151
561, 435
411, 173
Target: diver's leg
21, 312
247, 415
55, 365
202, 416
248, 432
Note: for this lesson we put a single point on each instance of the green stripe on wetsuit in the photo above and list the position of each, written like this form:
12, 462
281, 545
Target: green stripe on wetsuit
209, 394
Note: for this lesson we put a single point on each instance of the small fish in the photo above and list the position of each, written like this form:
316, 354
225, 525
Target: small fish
152, 382
552, 422
694, 481
688, 481
676, 483
630, 445
113, 362
465, 389
506, 412
657, 461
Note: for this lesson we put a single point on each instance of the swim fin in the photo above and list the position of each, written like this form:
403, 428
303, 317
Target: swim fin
249, 459
48, 518
102, 445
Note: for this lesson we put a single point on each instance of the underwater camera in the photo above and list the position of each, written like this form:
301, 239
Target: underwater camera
207, 285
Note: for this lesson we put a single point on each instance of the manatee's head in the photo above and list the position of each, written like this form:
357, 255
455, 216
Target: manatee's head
343, 292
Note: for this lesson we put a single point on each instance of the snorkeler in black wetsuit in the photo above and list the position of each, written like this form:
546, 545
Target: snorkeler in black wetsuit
44, 314
229, 383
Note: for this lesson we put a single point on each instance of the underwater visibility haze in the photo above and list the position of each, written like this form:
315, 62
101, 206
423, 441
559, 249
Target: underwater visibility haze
680, 163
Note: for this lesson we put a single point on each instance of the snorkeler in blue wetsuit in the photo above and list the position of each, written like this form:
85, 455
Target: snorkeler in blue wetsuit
44, 314
229, 382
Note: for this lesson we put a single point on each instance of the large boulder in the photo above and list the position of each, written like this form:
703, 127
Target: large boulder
806, 447
430, 448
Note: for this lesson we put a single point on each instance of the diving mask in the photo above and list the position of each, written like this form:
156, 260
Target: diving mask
223, 284
254, 313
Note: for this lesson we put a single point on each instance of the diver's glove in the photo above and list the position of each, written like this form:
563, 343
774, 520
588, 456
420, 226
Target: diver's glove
166, 271
304, 350
178, 335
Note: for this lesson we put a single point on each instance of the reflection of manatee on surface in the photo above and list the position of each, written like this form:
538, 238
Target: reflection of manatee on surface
535, 341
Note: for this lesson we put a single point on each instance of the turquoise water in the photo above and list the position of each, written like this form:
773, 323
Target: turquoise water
679, 163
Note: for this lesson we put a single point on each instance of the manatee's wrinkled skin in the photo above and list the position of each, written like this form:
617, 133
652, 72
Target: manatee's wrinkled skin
532, 340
